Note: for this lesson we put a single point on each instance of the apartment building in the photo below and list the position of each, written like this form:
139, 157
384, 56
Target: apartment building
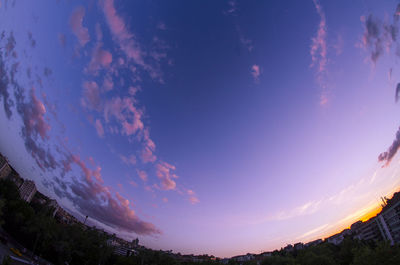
27, 190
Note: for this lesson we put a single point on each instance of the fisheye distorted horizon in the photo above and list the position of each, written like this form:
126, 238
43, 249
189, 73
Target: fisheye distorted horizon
218, 127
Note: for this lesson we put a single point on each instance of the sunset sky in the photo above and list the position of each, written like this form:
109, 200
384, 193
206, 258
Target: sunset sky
218, 127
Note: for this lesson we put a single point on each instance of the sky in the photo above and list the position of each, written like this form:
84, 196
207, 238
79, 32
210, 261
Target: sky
217, 127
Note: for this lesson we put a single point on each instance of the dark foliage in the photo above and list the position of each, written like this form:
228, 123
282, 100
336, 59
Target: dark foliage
33, 226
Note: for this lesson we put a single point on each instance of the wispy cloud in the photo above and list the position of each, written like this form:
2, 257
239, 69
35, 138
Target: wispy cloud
34, 126
319, 52
86, 190
147, 155
31, 39
164, 173
100, 57
125, 112
4, 94
82, 182
133, 183
129, 160
318, 229
142, 175
231, 8
125, 39
318, 49
256, 72
192, 197
305, 209
91, 95
99, 128
94, 199
194, 200
391, 152
246, 42
76, 24
379, 36
323, 98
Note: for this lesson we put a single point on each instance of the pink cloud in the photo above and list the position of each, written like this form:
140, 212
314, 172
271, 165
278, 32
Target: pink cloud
100, 59
124, 202
194, 200
34, 126
165, 199
318, 53
133, 90
149, 188
124, 111
91, 95
232, 8
323, 100
163, 172
161, 26
75, 22
124, 38
246, 42
88, 173
192, 197
35, 122
147, 155
108, 83
255, 72
147, 152
91, 161
142, 174
86, 190
149, 143
129, 45
99, 128
133, 183
338, 46
91, 197
318, 49
129, 160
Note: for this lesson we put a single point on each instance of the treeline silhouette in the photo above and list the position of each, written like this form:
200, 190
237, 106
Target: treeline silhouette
33, 226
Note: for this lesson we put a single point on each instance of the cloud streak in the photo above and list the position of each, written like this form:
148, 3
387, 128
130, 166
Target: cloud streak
164, 173
99, 128
94, 199
318, 49
378, 36
318, 52
4, 82
88, 193
255, 72
125, 112
76, 24
91, 95
387, 156
122, 36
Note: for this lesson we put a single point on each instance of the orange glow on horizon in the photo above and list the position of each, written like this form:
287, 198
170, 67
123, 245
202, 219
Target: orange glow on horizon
371, 213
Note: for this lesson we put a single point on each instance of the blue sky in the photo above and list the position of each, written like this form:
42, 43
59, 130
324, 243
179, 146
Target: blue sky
200, 126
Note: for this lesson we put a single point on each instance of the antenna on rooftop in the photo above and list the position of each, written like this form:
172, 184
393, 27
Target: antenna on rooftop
384, 200
85, 219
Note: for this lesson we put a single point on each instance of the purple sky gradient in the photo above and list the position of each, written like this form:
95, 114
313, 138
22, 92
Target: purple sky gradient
204, 127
